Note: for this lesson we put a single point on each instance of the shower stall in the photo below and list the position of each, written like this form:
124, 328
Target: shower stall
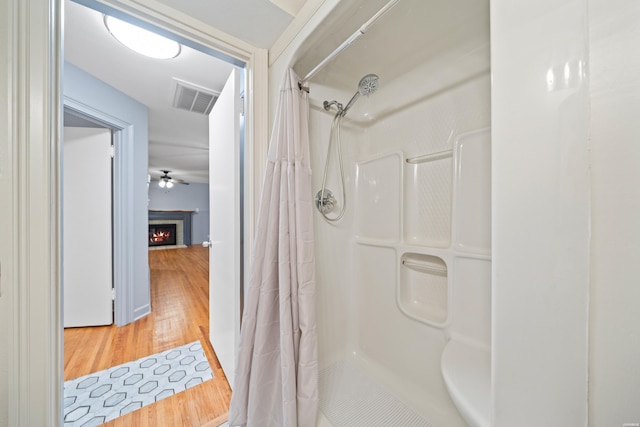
402, 184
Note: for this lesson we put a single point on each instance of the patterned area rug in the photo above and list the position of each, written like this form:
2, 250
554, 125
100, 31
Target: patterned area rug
103, 396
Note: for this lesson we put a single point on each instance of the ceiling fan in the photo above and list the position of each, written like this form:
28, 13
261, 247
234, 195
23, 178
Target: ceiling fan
166, 181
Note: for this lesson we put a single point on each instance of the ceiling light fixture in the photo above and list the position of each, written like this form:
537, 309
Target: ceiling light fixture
140, 40
164, 182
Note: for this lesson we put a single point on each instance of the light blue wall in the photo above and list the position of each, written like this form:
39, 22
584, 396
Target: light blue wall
82, 88
184, 197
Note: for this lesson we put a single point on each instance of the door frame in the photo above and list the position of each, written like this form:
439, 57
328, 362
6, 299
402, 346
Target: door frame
30, 281
123, 142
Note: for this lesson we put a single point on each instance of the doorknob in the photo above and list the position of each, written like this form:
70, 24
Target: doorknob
206, 243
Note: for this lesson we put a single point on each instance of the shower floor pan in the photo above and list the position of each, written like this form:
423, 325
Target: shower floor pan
350, 398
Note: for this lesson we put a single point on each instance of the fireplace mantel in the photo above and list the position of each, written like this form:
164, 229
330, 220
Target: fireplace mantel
185, 216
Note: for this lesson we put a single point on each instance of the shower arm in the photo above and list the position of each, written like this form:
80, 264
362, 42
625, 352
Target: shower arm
327, 105
352, 38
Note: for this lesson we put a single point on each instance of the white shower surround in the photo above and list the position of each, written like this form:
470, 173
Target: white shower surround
363, 282
391, 320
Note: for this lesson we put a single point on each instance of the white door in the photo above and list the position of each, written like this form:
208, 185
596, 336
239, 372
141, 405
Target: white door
86, 227
224, 226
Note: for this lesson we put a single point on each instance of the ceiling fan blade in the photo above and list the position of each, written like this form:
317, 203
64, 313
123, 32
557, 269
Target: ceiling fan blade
178, 181
167, 178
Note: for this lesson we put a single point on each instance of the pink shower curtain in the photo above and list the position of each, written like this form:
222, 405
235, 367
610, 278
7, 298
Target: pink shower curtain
276, 380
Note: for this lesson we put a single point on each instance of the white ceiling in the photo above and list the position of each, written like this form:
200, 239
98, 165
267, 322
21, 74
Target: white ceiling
258, 22
178, 140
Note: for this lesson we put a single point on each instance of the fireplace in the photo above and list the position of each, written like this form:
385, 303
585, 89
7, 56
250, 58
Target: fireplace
182, 219
162, 234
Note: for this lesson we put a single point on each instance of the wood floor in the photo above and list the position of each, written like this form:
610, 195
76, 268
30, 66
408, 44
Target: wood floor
180, 314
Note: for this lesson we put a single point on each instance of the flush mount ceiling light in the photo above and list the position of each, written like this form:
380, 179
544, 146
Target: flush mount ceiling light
141, 41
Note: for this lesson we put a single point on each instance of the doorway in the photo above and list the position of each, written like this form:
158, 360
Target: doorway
31, 273
89, 98
132, 304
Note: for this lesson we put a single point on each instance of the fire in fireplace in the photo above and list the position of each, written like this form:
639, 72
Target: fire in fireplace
162, 234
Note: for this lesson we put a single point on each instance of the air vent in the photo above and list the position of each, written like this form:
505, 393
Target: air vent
194, 98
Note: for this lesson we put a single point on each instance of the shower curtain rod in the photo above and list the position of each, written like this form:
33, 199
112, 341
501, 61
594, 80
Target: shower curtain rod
353, 37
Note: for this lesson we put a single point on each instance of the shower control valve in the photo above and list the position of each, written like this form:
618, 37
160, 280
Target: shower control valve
325, 201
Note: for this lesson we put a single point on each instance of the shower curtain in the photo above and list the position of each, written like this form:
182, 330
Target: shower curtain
276, 380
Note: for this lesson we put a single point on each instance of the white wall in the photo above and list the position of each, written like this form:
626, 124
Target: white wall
184, 197
540, 208
614, 375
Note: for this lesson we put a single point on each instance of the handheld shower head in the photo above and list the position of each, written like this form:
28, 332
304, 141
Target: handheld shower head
367, 85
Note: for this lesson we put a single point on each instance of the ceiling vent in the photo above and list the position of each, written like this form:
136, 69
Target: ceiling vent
190, 97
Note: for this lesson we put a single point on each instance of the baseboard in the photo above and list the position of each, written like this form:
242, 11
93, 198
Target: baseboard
141, 312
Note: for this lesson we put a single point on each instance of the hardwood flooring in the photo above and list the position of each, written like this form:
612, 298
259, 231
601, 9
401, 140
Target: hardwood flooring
180, 314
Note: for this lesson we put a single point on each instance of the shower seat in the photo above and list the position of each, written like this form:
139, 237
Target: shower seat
466, 369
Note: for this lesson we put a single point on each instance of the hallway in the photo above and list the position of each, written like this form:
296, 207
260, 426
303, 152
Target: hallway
180, 304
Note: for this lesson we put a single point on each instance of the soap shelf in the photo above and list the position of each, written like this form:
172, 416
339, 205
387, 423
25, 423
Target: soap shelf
423, 291
425, 267
430, 157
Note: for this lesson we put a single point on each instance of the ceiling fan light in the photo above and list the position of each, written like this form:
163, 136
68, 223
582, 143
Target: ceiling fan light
169, 184
162, 183
140, 40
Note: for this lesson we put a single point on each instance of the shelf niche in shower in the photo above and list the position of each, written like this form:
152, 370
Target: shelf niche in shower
427, 198
423, 291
